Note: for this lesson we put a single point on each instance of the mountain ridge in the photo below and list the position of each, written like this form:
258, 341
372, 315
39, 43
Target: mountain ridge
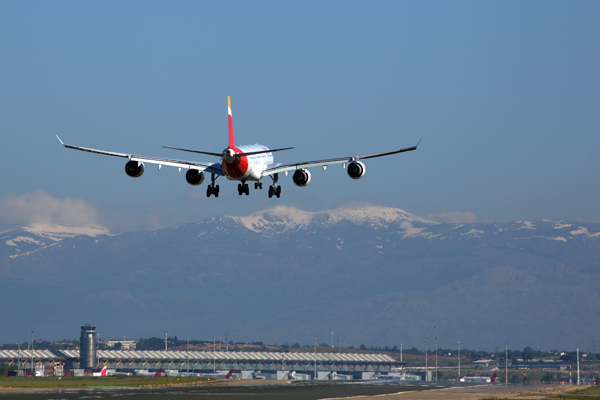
372, 274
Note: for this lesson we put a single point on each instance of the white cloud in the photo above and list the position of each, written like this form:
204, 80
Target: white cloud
41, 208
456, 217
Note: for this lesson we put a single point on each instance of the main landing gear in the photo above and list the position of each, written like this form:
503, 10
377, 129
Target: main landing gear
212, 188
243, 188
275, 189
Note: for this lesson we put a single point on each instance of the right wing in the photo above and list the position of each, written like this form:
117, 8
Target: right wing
276, 168
213, 168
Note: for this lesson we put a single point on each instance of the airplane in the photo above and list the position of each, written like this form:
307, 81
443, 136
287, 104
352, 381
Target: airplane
220, 374
249, 163
396, 376
100, 373
478, 379
143, 372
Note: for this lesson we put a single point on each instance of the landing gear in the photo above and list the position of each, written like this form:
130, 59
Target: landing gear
257, 185
275, 189
243, 188
212, 188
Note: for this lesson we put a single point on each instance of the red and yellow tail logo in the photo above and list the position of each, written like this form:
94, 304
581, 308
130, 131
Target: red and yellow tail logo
231, 142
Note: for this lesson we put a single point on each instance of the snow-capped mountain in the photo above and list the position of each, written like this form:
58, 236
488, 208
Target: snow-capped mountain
282, 219
371, 274
35, 237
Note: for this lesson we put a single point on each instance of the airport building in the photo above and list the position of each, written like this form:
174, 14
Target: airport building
245, 364
255, 364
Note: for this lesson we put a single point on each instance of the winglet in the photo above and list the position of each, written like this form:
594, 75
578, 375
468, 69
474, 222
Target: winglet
231, 142
61, 142
418, 143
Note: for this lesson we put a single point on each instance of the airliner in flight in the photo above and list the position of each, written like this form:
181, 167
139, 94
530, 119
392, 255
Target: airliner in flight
242, 163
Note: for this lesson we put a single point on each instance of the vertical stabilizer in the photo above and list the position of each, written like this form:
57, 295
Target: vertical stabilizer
231, 142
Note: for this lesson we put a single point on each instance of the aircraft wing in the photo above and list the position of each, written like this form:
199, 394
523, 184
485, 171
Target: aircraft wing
276, 168
213, 168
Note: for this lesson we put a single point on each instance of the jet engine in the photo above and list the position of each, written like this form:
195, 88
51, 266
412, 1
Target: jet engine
194, 177
134, 169
356, 170
301, 177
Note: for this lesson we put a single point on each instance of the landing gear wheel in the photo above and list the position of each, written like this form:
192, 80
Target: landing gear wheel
255, 185
260, 185
270, 191
209, 191
247, 189
216, 191
278, 191
240, 189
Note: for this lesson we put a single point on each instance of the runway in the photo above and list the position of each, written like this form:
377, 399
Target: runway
302, 391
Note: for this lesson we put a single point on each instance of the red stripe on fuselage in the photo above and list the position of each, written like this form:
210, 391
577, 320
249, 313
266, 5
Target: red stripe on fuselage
237, 168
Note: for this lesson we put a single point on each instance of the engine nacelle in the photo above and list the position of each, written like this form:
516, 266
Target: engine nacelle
134, 169
194, 177
301, 177
356, 170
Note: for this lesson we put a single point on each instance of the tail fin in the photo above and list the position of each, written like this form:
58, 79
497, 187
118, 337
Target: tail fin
231, 142
493, 378
229, 374
103, 373
159, 372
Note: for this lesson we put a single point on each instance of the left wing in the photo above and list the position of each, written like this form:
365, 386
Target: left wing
274, 169
214, 168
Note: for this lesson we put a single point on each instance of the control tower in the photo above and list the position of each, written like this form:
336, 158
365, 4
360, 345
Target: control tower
87, 347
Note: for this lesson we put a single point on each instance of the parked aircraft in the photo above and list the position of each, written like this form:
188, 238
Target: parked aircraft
109, 372
242, 163
396, 376
220, 374
100, 372
478, 379
143, 372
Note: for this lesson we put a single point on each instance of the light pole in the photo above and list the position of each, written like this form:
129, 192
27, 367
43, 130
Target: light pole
166, 342
32, 369
436, 338
18, 359
459, 359
315, 358
219, 344
214, 349
340, 346
506, 365
188, 353
577, 365
401, 355
426, 360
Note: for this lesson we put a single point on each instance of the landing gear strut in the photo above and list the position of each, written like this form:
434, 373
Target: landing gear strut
275, 189
243, 188
212, 188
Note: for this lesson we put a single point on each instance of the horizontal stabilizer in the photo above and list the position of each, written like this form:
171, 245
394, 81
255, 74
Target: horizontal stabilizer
221, 154
195, 151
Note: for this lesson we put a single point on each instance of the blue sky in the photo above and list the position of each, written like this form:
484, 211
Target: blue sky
506, 96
